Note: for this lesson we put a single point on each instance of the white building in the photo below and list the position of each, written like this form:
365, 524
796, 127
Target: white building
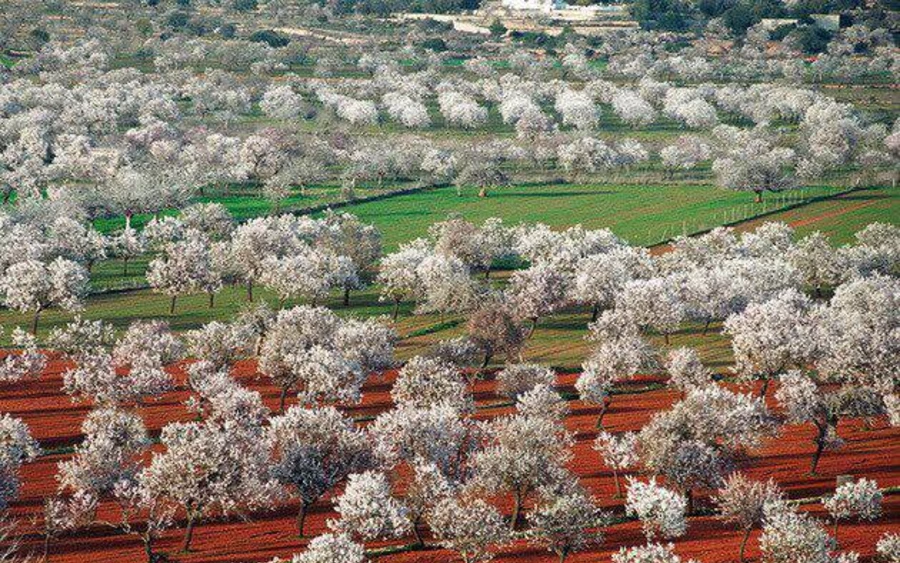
533, 5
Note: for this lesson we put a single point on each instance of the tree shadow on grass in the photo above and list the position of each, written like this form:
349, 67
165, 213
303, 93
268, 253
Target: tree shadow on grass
422, 212
554, 194
868, 197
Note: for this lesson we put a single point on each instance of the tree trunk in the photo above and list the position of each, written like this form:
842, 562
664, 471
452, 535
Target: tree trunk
420, 542
666, 338
517, 507
764, 389
250, 291
834, 531
487, 360
172, 305
758, 198
282, 399
301, 517
212, 298
603, 409
820, 447
347, 296
618, 485
744, 544
128, 220
124, 266
595, 312
34, 322
562, 555
482, 192
148, 548
396, 312
46, 546
690, 502
706, 326
534, 322
188, 534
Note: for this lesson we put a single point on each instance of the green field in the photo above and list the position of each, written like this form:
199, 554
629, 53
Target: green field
642, 214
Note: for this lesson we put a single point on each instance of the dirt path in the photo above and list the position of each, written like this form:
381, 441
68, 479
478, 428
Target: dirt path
831, 214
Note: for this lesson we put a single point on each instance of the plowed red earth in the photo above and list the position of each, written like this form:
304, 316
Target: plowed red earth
55, 421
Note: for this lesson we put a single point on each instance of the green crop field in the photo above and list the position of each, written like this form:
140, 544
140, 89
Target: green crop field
642, 214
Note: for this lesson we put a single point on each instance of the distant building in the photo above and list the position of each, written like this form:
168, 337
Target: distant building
771, 24
533, 5
829, 22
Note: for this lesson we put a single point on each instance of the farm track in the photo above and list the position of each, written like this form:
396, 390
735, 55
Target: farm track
55, 421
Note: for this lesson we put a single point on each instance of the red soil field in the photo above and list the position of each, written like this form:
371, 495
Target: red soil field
55, 421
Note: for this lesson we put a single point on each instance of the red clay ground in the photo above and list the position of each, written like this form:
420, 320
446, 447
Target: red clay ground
55, 421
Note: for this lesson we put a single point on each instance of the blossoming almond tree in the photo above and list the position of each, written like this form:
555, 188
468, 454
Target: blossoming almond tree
660, 510
619, 453
742, 501
650, 553
566, 521
770, 337
861, 499
524, 454
315, 449
33, 286
789, 536
331, 548
468, 526
16, 447
209, 467
368, 509
805, 402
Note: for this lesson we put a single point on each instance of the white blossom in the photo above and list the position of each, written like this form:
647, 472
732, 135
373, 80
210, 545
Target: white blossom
523, 454
470, 527
686, 371
367, 508
517, 379
33, 286
424, 382
888, 547
650, 553
331, 548
315, 449
619, 452
660, 510
566, 522
792, 537
16, 447
860, 499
